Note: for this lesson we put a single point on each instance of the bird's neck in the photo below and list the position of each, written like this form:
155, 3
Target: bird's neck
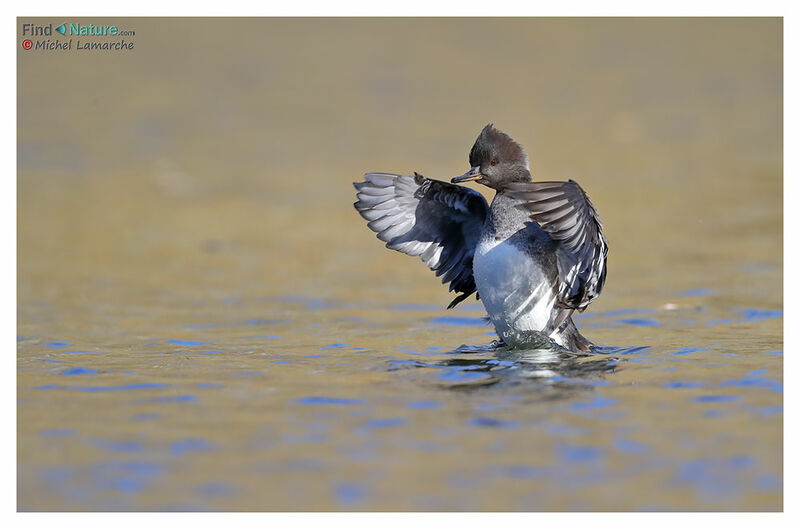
505, 217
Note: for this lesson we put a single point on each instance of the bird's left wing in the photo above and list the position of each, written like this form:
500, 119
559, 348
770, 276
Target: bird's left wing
438, 221
564, 211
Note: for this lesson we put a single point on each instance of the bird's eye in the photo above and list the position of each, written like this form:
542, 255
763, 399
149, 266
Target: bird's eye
493, 162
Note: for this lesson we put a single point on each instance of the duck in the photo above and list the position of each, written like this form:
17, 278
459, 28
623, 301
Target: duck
533, 257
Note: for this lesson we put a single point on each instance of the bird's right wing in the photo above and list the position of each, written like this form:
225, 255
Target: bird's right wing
438, 221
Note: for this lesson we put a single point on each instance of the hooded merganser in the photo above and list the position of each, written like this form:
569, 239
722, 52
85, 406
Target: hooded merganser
535, 256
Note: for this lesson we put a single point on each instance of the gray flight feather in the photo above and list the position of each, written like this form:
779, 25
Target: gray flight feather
438, 221
564, 211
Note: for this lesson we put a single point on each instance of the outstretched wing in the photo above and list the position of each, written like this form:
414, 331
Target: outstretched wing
564, 210
438, 221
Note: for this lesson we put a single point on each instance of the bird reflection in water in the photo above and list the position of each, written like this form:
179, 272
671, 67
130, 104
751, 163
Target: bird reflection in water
555, 372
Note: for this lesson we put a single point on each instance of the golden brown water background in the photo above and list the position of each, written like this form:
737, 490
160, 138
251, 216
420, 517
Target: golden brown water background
204, 322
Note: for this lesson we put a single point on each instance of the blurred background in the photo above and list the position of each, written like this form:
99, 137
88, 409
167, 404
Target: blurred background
204, 322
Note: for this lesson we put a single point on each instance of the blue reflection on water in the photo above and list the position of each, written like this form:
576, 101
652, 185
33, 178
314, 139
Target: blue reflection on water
349, 494
757, 315
190, 445
504, 363
771, 384
716, 398
168, 398
489, 422
578, 454
629, 446
696, 292
462, 376
642, 322
314, 401
685, 384
768, 482
79, 371
424, 404
715, 479
688, 350
598, 402
187, 343
749, 316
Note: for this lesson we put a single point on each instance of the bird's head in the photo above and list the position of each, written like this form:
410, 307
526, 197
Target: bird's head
496, 160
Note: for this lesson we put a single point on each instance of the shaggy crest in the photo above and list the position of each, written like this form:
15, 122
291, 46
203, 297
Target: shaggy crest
495, 144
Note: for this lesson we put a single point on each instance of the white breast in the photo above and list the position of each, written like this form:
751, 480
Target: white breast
513, 288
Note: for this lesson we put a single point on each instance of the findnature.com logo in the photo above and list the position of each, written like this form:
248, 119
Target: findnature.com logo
69, 29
